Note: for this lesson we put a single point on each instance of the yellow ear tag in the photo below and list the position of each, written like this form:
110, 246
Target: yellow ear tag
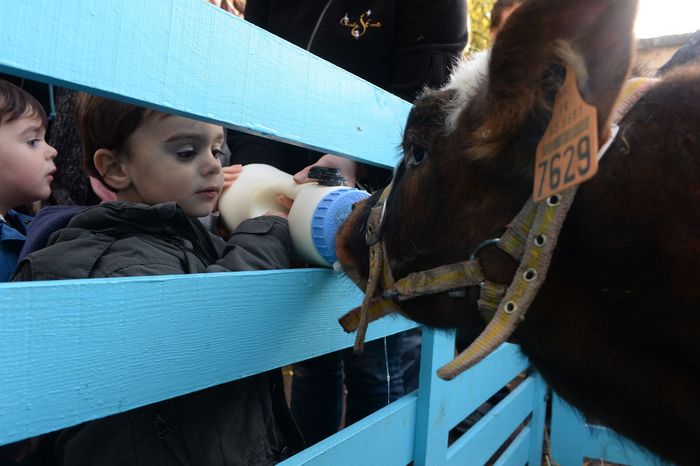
567, 155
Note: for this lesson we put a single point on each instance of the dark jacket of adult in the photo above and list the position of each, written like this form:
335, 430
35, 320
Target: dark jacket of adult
398, 45
245, 422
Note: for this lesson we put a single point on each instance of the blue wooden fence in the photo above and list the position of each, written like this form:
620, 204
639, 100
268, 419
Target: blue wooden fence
76, 350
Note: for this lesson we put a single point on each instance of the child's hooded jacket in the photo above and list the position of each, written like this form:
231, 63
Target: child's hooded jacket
13, 232
243, 422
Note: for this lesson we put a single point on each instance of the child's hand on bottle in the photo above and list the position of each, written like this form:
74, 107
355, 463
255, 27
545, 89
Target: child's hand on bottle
232, 6
231, 174
285, 202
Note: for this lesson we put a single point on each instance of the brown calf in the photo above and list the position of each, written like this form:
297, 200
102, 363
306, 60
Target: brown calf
615, 327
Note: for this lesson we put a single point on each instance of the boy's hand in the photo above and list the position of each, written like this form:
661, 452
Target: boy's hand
232, 6
281, 199
284, 201
347, 167
231, 174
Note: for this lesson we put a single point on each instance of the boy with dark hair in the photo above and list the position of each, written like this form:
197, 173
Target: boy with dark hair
165, 170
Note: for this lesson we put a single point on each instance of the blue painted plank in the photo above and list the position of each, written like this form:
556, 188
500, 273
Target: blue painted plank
383, 438
480, 442
431, 429
603, 443
471, 389
567, 434
572, 439
83, 349
518, 452
537, 423
193, 59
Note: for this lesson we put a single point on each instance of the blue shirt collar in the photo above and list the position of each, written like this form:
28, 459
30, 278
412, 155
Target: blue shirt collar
15, 226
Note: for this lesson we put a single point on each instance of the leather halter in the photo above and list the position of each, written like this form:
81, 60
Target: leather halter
530, 239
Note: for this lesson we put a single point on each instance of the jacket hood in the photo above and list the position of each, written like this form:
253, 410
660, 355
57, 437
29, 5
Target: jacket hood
49, 219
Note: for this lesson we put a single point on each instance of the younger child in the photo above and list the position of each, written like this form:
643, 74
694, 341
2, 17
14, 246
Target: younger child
26, 168
165, 170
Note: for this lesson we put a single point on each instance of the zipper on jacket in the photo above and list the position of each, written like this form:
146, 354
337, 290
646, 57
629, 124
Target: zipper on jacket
318, 24
163, 428
169, 441
187, 261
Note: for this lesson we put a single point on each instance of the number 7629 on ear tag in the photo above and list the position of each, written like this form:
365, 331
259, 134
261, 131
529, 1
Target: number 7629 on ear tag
567, 154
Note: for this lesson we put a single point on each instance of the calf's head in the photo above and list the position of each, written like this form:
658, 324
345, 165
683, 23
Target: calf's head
468, 149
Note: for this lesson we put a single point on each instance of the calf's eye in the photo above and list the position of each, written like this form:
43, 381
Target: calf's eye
416, 155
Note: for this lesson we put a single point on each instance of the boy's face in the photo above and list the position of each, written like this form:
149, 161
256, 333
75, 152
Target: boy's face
26, 162
171, 158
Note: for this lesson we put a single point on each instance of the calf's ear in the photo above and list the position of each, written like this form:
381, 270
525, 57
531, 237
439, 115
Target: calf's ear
592, 37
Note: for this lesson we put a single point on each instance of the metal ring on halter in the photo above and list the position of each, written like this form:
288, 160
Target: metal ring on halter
482, 245
457, 293
390, 294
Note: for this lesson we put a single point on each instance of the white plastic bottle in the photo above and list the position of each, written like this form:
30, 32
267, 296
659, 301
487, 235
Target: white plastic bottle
318, 210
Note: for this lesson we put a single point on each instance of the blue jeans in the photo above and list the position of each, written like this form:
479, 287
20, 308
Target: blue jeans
317, 386
410, 358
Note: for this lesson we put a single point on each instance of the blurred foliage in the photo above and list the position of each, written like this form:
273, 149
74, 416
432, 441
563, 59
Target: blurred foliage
480, 18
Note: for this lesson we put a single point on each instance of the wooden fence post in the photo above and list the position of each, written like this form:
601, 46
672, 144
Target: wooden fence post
431, 428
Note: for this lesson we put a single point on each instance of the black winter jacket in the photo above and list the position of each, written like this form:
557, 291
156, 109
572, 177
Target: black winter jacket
245, 422
398, 45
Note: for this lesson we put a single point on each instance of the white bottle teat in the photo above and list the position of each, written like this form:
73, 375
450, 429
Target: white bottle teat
314, 218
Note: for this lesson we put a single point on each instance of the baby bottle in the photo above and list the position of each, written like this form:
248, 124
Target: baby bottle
318, 210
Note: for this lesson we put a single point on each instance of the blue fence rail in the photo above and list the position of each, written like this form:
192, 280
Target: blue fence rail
76, 350
573, 440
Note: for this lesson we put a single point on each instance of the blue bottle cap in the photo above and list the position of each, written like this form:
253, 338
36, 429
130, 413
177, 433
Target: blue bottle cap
330, 213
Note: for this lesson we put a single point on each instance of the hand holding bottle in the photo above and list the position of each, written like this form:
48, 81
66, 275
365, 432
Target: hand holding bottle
347, 167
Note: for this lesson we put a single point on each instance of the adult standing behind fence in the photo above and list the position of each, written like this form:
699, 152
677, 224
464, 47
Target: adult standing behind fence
400, 46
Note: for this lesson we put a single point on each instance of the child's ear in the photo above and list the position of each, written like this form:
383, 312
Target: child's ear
109, 164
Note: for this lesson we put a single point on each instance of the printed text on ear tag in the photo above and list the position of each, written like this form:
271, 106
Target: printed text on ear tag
567, 155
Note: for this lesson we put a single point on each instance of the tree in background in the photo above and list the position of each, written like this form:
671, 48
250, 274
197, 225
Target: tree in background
480, 17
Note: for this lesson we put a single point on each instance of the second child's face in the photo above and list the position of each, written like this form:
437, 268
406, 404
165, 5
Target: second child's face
26, 162
175, 159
